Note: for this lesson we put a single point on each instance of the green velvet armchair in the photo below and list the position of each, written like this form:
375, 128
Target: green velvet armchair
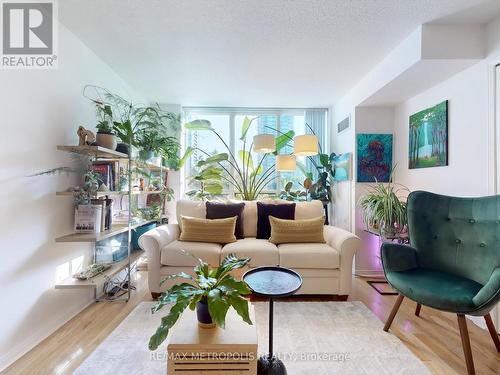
453, 264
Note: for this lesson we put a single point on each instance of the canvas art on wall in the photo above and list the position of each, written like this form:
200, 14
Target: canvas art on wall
428, 137
342, 166
374, 155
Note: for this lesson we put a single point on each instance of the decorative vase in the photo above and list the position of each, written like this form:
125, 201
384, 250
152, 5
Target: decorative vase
204, 318
107, 140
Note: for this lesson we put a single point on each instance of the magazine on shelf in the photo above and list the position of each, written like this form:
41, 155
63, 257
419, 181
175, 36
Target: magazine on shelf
103, 172
108, 172
88, 218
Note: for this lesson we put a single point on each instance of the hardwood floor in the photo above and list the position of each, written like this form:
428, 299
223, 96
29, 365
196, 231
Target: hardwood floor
433, 337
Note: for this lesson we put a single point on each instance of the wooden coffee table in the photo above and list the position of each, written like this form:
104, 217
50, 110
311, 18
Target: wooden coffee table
196, 350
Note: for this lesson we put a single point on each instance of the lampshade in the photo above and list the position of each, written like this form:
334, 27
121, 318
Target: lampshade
264, 143
305, 145
285, 163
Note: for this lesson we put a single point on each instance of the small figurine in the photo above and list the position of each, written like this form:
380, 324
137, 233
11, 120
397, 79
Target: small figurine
86, 137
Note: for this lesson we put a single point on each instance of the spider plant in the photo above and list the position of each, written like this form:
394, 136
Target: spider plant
384, 207
212, 286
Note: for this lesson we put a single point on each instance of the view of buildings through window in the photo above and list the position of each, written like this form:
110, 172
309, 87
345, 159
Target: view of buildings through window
228, 124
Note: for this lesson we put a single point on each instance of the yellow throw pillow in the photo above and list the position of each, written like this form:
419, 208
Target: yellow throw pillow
288, 231
208, 230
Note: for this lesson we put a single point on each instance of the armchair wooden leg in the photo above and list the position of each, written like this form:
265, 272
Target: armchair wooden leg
464, 334
394, 311
417, 310
493, 331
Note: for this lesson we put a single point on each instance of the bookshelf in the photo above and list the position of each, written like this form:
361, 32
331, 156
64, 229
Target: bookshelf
101, 154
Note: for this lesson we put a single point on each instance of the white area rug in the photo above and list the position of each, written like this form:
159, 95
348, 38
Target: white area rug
310, 337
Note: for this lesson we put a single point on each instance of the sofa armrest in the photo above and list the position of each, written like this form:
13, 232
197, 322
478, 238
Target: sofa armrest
152, 242
346, 244
396, 257
490, 292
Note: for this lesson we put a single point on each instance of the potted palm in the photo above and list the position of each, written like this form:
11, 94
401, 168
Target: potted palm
384, 208
212, 291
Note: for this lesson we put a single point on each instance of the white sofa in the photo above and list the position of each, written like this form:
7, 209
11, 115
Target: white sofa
326, 268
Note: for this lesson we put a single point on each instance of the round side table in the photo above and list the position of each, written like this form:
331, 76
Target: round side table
272, 282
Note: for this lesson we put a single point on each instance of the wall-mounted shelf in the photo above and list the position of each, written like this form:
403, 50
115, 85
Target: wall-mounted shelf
104, 193
100, 153
97, 151
72, 283
95, 237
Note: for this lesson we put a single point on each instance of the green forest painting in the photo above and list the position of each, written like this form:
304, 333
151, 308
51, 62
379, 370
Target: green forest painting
429, 137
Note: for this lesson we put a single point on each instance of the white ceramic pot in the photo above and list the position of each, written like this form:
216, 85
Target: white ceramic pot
107, 140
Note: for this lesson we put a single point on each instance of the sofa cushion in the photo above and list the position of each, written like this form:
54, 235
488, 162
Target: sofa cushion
308, 255
309, 210
305, 210
250, 216
219, 210
264, 210
171, 254
298, 231
189, 208
208, 230
261, 252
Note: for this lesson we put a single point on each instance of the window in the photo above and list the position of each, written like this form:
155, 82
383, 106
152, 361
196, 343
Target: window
228, 122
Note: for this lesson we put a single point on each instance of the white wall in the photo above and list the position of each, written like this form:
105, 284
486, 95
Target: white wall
41, 109
469, 156
369, 120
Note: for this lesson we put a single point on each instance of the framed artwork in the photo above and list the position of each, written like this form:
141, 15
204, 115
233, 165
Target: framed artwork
428, 137
342, 166
374, 157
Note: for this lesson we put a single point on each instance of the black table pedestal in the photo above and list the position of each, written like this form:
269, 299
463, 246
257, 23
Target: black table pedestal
272, 282
268, 364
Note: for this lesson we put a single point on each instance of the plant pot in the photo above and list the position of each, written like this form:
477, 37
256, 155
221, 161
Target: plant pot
170, 163
204, 318
146, 154
123, 148
107, 140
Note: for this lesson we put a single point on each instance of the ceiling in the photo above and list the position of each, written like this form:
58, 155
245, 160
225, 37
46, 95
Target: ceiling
272, 53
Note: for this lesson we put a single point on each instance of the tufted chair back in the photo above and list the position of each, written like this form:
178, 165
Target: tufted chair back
456, 235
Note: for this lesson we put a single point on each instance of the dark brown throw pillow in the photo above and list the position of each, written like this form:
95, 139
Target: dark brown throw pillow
218, 210
280, 211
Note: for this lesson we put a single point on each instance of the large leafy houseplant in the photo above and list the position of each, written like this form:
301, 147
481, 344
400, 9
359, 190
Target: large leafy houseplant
214, 287
128, 119
384, 207
249, 178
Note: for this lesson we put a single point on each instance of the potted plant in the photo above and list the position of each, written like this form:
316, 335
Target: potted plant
149, 143
129, 120
385, 208
105, 133
212, 291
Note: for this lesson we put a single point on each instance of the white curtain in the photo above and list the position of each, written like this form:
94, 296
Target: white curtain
316, 119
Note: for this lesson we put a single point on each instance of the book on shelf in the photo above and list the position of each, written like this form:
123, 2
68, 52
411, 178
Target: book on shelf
88, 218
103, 173
106, 216
108, 173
